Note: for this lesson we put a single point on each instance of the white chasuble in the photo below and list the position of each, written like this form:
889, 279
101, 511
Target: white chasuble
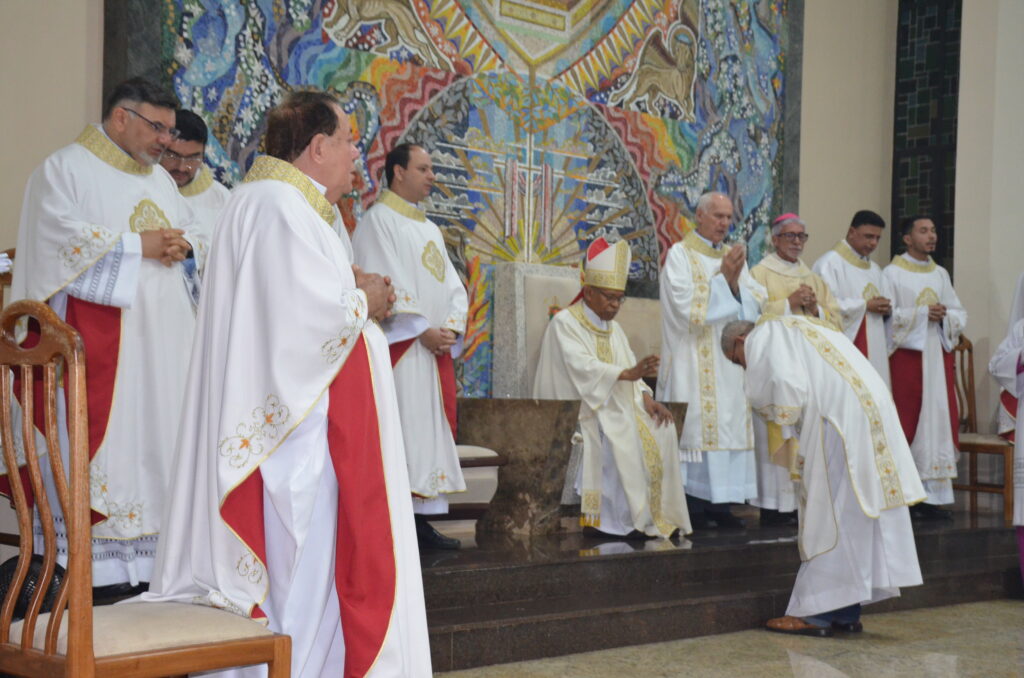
291, 502
1007, 366
854, 280
581, 358
922, 368
206, 197
696, 303
395, 238
781, 278
79, 250
833, 409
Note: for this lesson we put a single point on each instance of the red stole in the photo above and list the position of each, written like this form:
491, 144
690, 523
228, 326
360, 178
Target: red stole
908, 386
446, 375
861, 340
1008, 403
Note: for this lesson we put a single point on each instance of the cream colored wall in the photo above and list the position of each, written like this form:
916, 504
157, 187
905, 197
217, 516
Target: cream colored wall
989, 197
846, 116
51, 73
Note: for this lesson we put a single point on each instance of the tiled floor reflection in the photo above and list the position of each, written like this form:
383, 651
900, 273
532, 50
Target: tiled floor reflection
983, 640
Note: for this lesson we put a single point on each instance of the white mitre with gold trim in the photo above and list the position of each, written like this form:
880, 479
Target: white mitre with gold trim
607, 264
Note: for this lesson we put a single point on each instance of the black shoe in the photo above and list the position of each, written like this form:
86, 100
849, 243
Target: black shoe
848, 627
773, 518
699, 521
727, 521
106, 595
429, 538
929, 512
632, 535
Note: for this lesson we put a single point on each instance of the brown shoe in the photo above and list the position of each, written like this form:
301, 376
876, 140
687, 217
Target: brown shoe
796, 626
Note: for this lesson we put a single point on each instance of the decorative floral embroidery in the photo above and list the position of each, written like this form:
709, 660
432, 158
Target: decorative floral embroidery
870, 291
590, 508
339, 346
124, 516
250, 568
433, 261
85, 247
437, 481
148, 217
456, 322
601, 337
220, 601
251, 439
701, 286
655, 475
782, 415
405, 301
927, 297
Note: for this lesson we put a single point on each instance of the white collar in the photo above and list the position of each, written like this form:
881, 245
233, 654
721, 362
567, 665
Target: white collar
714, 246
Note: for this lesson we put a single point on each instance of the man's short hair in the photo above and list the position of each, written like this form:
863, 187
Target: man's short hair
190, 126
907, 225
733, 331
293, 123
785, 219
140, 91
398, 157
704, 201
867, 218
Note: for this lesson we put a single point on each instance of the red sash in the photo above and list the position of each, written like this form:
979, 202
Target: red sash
907, 391
861, 340
446, 375
1008, 403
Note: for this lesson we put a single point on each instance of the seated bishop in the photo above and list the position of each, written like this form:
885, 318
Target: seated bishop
628, 480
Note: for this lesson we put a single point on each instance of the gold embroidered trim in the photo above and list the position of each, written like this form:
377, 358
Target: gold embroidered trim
783, 415
708, 390
590, 508
927, 297
695, 242
401, 205
844, 250
870, 292
655, 475
603, 337
901, 261
148, 216
100, 145
610, 280
202, 181
883, 457
267, 168
250, 439
433, 261
701, 286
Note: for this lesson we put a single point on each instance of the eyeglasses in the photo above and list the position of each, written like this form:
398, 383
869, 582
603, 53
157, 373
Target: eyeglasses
158, 127
190, 161
611, 299
793, 237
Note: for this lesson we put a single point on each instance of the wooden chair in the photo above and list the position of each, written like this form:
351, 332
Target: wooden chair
76, 639
973, 443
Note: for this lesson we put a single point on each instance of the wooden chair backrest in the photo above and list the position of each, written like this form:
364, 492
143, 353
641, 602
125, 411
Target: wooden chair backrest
58, 354
964, 382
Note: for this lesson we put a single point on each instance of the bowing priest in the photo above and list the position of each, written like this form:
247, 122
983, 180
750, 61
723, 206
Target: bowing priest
102, 238
1007, 366
862, 293
704, 285
184, 161
395, 237
835, 428
926, 323
291, 501
629, 480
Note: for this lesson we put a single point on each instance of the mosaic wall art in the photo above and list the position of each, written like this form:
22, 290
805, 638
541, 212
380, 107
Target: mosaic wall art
550, 122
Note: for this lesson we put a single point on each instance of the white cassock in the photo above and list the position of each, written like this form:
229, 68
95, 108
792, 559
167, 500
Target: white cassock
922, 369
1007, 366
79, 249
854, 280
1008, 403
717, 443
841, 437
206, 197
630, 478
291, 502
395, 238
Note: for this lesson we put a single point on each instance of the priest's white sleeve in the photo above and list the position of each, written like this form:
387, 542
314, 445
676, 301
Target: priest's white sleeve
458, 304
593, 379
908, 325
955, 321
1003, 365
113, 279
851, 309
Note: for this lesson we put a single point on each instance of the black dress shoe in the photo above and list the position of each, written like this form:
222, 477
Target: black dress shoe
105, 595
847, 627
699, 521
429, 538
929, 512
727, 521
773, 518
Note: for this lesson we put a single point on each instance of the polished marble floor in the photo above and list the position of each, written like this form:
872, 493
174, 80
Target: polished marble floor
983, 640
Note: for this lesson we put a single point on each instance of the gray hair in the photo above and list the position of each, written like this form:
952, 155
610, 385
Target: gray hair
704, 201
733, 331
777, 227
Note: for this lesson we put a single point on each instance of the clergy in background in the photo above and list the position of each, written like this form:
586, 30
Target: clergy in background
926, 323
396, 238
103, 233
291, 501
1008, 402
1007, 366
836, 430
629, 481
183, 160
704, 285
863, 294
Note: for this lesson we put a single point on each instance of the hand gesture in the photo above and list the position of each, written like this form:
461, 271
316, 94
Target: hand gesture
438, 340
802, 298
647, 367
165, 245
658, 412
380, 295
879, 305
732, 266
936, 312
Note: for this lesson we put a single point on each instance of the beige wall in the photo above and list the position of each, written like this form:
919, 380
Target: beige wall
989, 191
51, 74
846, 116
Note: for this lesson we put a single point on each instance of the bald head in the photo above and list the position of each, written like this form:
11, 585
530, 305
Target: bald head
714, 216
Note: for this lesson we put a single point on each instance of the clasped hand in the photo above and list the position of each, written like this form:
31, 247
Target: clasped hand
380, 294
438, 340
166, 245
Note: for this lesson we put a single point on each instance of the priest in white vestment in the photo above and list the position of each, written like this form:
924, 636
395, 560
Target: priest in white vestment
1006, 420
291, 502
793, 289
396, 238
183, 160
834, 427
629, 481
102, 236
704, 285
1007, 366
863, 294
926, 323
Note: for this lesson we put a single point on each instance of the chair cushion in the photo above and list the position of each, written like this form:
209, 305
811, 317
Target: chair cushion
987, 440
140, 627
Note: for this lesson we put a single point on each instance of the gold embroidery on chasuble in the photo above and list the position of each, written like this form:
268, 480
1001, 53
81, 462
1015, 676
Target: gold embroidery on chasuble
253, 438
100, 145
601, 337
695, 247
250, 568
844, 250
884, 462
148, 217
655, 474
433, 260
202, 181
783, 415
901, 262
85, 247
927, 297
272, 169
870, 291
402, 206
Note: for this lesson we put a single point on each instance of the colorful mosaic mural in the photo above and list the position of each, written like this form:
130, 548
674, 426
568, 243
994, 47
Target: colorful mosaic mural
550, 122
